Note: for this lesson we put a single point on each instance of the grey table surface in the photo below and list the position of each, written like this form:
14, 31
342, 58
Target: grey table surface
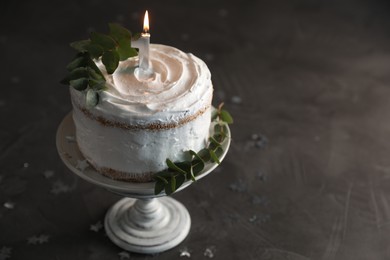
308, 172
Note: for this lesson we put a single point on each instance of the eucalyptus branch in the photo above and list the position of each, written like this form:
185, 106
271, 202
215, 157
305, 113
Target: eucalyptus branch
179, 172
111, 48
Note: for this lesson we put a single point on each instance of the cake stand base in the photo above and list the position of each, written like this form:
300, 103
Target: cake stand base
147, 226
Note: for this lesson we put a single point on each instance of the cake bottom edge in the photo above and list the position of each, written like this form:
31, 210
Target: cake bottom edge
122, 176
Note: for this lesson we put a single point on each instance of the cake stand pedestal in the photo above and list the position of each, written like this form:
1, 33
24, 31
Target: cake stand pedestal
142, 222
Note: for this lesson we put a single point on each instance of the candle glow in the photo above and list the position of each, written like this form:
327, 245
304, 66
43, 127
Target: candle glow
146, 22
144, 72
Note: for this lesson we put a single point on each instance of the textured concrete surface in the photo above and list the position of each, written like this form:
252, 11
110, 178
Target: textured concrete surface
308, 173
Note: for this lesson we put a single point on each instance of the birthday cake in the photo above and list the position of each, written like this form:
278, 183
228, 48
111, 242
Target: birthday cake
138, 124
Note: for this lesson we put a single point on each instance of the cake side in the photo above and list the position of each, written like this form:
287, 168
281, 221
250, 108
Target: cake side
134, 154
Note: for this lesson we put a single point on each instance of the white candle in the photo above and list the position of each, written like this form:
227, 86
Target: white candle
144, 71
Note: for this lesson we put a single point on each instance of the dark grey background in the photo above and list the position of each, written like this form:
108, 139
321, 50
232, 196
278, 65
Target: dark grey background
308, 172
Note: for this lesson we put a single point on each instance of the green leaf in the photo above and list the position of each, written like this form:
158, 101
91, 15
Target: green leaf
191, 174
174, 167
105, 41
97, 85
161, 178
180, 180
214, 157
75, 74
80, 45
92, 64
76, 63
91, 98
195, 155
226, 117
214, 141
110, 59
219, 152
136, 36
197, 167
159, 187
168, 187
125, 51
94, 75
185, 166
172, 182
204, 154
79, 84
118, 32
95, 50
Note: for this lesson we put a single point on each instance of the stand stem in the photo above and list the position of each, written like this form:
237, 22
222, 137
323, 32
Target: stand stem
147, 225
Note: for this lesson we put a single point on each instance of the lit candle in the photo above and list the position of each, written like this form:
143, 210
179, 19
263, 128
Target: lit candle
144, 70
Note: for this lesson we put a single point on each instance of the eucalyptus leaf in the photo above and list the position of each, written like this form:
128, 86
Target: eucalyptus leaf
159, 187
91, 98
76, 63
172, 182
80, 45
219, 152
164, 174
214, 157
174, 167
125, 50
136, 36
191, 174
168, 188
79, 84
226, 117
105, 41
197, 167
180, 179
95, 50
92, 64
97, 85
78, 73
118, 32
204, 154
110, 59
94, 75
193, 153
185, 166
162, 179
214, 141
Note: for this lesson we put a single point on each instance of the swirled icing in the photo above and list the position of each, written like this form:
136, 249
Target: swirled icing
181, 84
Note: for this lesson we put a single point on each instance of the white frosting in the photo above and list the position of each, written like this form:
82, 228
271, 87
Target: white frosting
181, 84
180, 88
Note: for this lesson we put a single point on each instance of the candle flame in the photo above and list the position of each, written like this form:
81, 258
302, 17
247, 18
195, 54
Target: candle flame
146, 22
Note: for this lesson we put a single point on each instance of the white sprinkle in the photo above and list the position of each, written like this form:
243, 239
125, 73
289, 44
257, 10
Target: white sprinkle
70, 138
210, 251
124, 255
185, 252
82, 165
26, 164
236, 100
9, 205
15, 80
223, 12
96, 227
48, 174
209, 56
185, 36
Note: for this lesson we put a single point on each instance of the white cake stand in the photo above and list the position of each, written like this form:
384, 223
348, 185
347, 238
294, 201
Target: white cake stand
142, 222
